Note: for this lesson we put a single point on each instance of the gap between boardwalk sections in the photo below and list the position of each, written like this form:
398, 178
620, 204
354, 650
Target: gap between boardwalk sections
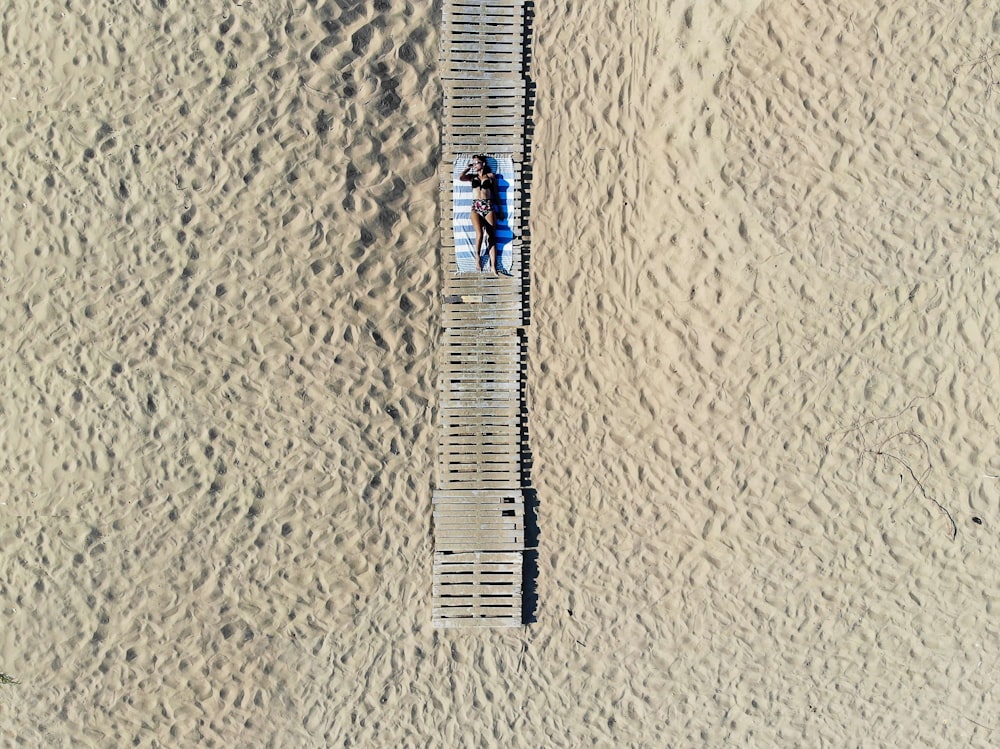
480, 575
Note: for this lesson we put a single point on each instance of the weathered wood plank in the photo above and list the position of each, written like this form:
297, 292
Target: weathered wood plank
452, 463
498, 477
476, 557
490, 573
478, 495
499, 507
474, 547
478, 511
458, 444
455, 467
495, 435
449, 621
496, 593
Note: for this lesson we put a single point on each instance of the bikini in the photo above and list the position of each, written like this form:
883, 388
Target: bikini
481, 206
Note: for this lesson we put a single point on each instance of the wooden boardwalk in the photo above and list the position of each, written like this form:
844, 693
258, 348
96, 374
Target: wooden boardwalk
478, 503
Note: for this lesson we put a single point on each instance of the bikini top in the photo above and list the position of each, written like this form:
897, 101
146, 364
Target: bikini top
476, 182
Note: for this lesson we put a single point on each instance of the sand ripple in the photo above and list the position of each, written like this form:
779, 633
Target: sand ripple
218, 333
867, 135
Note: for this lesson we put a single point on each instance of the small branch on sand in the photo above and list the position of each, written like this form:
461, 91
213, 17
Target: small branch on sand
880, 452
5, 679
985, 61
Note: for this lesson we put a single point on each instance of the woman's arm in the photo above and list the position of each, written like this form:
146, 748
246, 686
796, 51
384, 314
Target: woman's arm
465, 176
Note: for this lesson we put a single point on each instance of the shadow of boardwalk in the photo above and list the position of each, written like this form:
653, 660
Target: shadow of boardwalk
532, 533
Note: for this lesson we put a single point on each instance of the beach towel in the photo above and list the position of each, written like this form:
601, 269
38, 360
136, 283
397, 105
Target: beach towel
502, 166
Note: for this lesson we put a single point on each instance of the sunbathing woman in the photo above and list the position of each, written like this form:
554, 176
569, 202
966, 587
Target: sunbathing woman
484, 197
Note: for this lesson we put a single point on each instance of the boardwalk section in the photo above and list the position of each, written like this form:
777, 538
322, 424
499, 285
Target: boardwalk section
478, 503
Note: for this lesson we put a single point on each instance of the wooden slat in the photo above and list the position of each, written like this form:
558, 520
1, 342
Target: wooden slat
490, 573
468, 21
495, 432
501, 409
492, 425
471, 478
473, 400
485, 389
456, 615
460, 393
483, 495
476, 533
491, 538
475, 546
462, 343
477, 374
462, 375
478, 505
458, 362
481, 366
509, 467
458, 423
475, 606
460, 617
467, 373
457, 479
480, 591
483, 10
488, 386
509, 410
467, 453
460, 447
481, 544
474, 459
456, 435
477, 364
495, 90
469, 18
474, 366
443, 561
498, 460
463, 510
499, 508
482, 137
453, 448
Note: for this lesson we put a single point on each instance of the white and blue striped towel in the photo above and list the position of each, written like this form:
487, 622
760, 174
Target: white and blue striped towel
502, 165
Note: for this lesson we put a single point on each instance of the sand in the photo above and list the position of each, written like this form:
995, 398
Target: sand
763, 417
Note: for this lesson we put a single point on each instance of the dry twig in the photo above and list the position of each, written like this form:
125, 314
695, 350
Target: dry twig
881, 452
984, 62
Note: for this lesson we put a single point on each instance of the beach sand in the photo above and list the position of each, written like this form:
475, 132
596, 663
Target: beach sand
763, 419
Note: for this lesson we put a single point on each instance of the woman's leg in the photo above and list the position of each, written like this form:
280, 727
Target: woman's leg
490, 224
477, 223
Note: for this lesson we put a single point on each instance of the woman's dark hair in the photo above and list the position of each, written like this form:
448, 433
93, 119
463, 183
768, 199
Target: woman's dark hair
486, 161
